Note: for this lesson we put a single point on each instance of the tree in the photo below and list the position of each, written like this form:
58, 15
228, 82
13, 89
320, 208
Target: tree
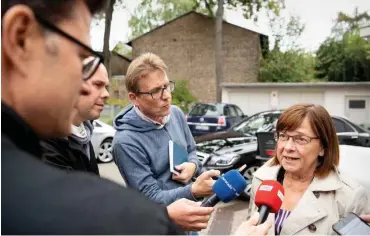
151, 13
218, 50
286, 62
344, 60
345, 23
182, 96
123, 49
108, 23
345, 55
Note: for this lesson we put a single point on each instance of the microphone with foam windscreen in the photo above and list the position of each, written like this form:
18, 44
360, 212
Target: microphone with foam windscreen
269, 198
228, 187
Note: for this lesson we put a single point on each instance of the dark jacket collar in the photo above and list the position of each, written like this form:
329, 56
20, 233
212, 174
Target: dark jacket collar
18, 131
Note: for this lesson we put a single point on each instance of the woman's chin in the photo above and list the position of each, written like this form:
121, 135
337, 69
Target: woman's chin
290, 167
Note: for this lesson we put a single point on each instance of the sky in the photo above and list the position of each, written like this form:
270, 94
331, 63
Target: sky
317, 15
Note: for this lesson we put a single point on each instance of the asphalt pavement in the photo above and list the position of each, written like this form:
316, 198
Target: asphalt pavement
224, 220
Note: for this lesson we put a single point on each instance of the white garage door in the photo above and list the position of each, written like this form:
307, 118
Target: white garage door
287, 99
253, 101
250, 102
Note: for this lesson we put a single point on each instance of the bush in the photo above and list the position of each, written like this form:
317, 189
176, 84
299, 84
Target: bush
182, 97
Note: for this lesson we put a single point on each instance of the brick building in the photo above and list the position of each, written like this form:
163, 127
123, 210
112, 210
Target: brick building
119, 65
187, 45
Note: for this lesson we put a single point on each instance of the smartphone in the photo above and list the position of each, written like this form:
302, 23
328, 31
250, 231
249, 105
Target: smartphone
351, 225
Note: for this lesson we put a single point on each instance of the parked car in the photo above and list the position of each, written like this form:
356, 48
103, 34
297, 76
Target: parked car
241, 139
102, 141
206, 118
348, 133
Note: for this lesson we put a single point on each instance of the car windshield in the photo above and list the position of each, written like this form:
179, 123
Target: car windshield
205, 110
262, 122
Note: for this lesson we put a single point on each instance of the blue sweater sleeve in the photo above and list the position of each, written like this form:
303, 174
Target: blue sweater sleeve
191, 147
135, 169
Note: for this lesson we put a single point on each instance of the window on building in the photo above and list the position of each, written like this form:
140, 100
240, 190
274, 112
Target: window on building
357, 104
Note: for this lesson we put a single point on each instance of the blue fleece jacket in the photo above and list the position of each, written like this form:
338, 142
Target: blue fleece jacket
140, 150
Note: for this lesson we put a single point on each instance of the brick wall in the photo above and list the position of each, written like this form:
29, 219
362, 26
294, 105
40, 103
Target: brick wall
187, 47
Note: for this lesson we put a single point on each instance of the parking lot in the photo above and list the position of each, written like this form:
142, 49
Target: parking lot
224, 220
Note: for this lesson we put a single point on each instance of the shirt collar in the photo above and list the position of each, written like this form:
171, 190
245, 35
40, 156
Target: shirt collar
146, 118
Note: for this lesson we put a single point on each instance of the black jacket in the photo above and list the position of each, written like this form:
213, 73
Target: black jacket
40, 199
67, 153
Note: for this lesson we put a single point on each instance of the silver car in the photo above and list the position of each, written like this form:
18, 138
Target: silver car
102, 141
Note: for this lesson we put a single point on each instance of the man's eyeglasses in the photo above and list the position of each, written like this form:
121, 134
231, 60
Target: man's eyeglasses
158, 92
297, 139
90, 64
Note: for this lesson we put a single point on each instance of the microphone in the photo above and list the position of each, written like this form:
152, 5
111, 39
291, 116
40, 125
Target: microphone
269, 198
226, 188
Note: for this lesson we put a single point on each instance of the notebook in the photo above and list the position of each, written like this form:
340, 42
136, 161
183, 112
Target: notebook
177, 155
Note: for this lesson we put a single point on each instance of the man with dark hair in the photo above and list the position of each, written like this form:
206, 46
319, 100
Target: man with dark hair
75, 152
45, 58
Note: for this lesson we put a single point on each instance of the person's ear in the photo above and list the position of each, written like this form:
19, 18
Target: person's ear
322, 152
133, 98
19, 31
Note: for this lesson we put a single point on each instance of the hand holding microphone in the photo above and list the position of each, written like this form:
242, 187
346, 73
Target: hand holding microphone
228, 187
250, 227
189, 215
203, 184
269, 198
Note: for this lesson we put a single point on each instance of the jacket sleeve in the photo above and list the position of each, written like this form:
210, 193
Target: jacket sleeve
135, 170
191, 148
51, 154
252, 207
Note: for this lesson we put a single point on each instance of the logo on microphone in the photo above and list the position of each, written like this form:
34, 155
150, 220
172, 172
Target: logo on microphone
229, 185
266, 188
280, 195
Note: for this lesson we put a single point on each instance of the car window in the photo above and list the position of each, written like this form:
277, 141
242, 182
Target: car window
357, 127
227, 111
233, 111
255, 123
238, 111
341, 126
204, 110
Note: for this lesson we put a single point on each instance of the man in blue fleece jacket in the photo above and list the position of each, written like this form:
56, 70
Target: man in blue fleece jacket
140, 146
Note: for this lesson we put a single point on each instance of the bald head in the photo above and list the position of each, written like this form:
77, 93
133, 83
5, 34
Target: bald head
91, 105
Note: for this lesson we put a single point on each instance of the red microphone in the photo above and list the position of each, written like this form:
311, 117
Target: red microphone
269, 198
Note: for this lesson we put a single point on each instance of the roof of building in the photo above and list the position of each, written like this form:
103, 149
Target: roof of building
118, 54
183, 15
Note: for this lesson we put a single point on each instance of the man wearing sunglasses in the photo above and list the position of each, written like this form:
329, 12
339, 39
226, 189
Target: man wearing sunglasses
43, 68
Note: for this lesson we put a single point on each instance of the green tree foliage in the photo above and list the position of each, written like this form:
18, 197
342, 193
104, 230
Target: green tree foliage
123, 49
182, 97
286, 62
345, 55
152, 13
346, 59
288, 66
